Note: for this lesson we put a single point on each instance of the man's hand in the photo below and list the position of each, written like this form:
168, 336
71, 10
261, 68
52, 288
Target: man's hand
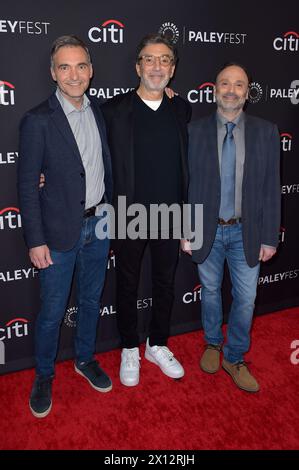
186, 247
42, 181
266, 253
40, 256
170, 93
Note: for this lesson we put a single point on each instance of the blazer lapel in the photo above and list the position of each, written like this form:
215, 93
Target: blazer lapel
212, 139
249, 151
62, 124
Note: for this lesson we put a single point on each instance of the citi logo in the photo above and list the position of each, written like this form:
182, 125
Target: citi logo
10, 217
7, 93
16, 328
111, 261
204, 93
286, 141
111, 31
282, 234
289, 42
193, 296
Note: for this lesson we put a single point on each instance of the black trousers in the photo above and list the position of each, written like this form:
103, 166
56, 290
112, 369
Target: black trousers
164, 258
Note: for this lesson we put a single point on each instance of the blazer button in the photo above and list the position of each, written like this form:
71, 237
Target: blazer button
82, 202
82, 175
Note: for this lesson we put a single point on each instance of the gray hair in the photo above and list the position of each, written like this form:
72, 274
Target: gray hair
68, 41
156, 39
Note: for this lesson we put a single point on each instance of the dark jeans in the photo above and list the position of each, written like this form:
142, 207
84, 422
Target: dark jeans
89, 258
164, 257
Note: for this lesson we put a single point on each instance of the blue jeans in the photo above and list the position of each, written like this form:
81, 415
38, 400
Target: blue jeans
88, 258
228, 244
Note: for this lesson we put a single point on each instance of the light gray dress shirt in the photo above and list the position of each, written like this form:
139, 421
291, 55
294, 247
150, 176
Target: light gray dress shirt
87, 136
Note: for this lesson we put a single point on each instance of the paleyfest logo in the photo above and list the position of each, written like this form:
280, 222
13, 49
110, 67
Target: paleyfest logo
7, 93
111, 31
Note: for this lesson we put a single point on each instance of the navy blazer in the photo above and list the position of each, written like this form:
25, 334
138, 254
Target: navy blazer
260, 187
53, 215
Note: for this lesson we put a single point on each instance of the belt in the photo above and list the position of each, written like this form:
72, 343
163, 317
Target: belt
90, 212
230, 221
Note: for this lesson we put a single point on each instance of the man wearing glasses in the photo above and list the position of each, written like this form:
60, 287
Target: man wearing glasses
147, 134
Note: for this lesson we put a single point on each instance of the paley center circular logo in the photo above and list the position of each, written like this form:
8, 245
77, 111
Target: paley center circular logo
255, 92
170, 31
70, 317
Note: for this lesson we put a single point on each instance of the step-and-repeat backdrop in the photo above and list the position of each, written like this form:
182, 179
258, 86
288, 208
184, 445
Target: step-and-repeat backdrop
264, 36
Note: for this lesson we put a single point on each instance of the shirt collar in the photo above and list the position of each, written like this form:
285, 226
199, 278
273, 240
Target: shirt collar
238, 121
67, 107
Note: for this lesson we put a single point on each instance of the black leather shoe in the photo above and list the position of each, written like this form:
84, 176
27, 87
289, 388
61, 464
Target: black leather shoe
41, 397
97, 378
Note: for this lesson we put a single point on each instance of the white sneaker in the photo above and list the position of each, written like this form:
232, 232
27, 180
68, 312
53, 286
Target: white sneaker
165, 359
129, 367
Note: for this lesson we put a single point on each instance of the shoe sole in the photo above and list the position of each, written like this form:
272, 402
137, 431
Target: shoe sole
238, 385
209, 371
99, 389
40, 415
152, 359
132, 384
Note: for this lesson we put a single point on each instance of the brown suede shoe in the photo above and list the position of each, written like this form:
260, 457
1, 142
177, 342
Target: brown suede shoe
240, 374
210, 360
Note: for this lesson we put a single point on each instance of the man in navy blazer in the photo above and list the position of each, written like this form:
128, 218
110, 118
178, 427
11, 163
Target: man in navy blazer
65, 139
234, 174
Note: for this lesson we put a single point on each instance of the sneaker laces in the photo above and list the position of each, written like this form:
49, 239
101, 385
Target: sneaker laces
132, 359
165, 352
216, 347
242, 364
43, 385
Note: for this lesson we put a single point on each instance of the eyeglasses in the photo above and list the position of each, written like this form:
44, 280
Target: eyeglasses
164, 60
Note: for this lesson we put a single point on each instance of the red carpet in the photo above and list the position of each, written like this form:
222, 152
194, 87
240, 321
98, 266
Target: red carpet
197, 412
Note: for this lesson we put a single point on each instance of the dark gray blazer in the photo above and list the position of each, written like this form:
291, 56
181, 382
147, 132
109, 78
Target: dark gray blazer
260, 188
53, 215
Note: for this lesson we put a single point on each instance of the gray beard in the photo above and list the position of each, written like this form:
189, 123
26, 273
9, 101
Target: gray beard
149, 86
233, 107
